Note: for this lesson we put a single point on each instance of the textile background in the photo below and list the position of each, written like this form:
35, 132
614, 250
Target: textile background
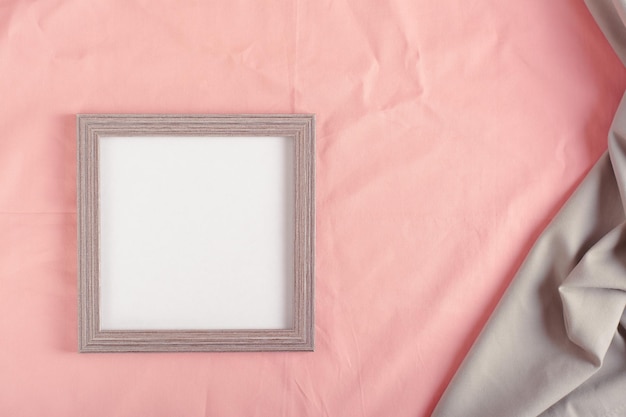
448, 135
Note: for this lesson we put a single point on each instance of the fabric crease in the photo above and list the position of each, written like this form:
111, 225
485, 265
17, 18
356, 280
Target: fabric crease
541, 354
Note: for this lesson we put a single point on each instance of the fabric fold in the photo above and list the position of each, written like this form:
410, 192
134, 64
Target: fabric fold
555, 344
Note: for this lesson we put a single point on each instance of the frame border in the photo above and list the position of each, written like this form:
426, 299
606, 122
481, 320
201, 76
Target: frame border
90, 127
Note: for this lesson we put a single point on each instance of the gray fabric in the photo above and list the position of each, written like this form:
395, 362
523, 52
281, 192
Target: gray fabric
610, 15
556, 343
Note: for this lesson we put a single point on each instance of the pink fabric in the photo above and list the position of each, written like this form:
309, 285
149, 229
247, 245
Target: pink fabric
448, 135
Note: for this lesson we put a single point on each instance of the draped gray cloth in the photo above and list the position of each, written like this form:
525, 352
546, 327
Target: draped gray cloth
556, 343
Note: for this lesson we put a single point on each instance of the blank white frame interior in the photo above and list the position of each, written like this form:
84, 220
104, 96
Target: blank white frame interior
195, 232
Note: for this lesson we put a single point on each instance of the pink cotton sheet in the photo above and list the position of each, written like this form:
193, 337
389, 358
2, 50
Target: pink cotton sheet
449, 133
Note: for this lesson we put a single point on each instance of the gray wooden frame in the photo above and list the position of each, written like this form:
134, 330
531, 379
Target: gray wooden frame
90, 128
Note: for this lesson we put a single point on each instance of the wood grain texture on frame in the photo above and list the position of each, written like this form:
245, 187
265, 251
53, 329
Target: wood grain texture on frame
90, 127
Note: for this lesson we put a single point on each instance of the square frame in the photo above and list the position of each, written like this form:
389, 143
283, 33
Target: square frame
91, 128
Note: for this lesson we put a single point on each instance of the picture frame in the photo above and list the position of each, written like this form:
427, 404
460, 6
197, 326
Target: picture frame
195, 232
